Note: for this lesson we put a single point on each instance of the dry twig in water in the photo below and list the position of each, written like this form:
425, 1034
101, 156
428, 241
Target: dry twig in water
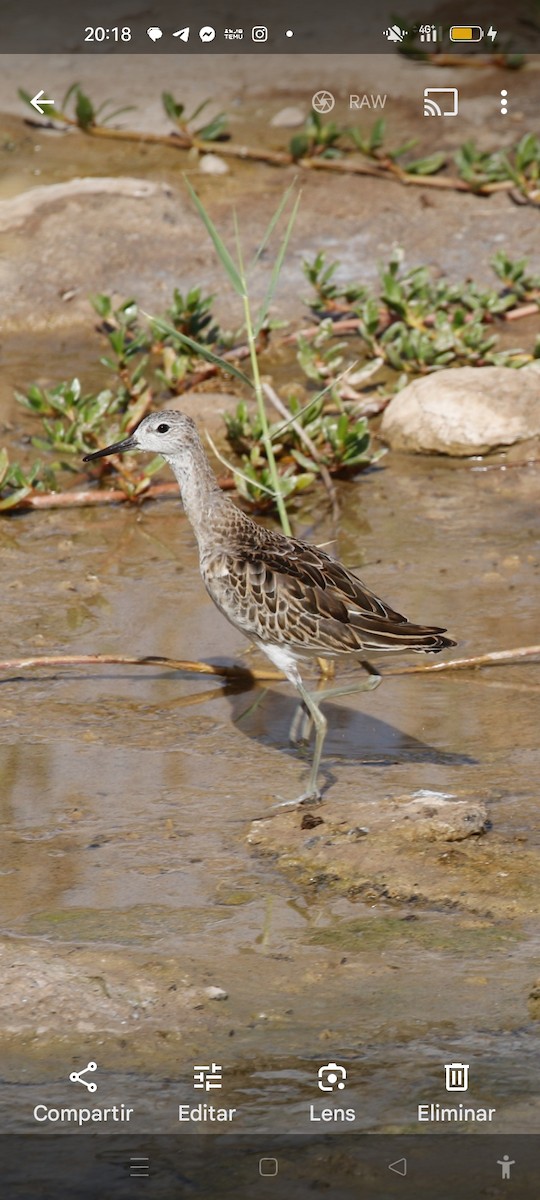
149, 660
265, 674
493, 659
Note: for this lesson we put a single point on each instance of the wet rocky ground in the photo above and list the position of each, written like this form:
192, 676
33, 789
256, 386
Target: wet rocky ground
142, 863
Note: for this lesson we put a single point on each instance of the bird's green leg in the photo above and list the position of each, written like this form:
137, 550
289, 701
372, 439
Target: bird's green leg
318, 719
309, 705
301, 723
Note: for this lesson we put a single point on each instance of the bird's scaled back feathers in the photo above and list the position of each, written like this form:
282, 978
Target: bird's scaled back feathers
283, 590
277, 590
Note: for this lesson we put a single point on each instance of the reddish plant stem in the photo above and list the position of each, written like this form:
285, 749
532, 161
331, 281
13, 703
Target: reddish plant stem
492, 659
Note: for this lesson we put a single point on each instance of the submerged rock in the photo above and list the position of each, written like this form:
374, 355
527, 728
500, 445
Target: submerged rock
468, 410
52, 989
442, 818
420, 848
16, 210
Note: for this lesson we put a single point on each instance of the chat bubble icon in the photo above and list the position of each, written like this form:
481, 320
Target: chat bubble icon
155, 33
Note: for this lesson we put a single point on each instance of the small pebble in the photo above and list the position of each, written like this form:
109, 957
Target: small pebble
211, 164
310, 821
216, 993
288, 118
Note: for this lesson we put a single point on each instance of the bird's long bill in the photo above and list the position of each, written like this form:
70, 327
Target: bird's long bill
128, 443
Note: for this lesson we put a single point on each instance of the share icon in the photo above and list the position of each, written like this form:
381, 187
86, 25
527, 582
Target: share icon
77, 1077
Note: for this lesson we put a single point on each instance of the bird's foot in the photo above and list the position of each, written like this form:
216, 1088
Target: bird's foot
311, 796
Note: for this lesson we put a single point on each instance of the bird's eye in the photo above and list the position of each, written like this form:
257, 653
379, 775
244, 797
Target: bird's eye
163, 428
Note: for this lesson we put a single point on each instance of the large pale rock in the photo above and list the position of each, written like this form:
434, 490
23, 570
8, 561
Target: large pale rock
468, 410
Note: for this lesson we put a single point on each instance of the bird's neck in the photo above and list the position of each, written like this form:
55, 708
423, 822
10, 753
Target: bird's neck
201, 494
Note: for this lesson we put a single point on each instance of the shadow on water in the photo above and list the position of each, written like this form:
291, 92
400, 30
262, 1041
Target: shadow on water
352, 736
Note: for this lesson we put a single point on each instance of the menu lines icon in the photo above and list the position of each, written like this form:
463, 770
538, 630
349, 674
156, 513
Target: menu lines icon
139, 1166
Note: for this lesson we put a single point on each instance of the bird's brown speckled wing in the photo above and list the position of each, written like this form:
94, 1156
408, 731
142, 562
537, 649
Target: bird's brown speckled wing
288, 592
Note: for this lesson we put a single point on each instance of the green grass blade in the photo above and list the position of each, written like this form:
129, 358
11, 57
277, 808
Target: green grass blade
221, 249
70, 92
240, 256
202, 351
272, 223
25, 97
236, 470
117, 112
199, 109
276, 433
276, 271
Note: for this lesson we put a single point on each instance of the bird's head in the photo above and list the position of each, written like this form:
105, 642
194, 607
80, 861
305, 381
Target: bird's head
167, 433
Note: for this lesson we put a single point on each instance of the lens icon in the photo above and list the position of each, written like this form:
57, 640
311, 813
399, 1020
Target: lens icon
331, 1076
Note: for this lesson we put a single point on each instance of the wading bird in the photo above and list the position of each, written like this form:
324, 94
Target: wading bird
291, 599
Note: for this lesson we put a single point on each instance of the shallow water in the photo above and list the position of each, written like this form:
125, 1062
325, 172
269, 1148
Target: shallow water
127, 796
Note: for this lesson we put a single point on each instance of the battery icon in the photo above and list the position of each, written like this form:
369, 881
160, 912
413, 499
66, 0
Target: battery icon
466, 33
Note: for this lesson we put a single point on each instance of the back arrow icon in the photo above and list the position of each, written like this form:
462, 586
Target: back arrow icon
37, 102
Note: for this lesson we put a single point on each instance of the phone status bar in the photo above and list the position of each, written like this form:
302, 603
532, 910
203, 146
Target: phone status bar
257, 27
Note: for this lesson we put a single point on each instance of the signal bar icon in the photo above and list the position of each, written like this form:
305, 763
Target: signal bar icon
440, 102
